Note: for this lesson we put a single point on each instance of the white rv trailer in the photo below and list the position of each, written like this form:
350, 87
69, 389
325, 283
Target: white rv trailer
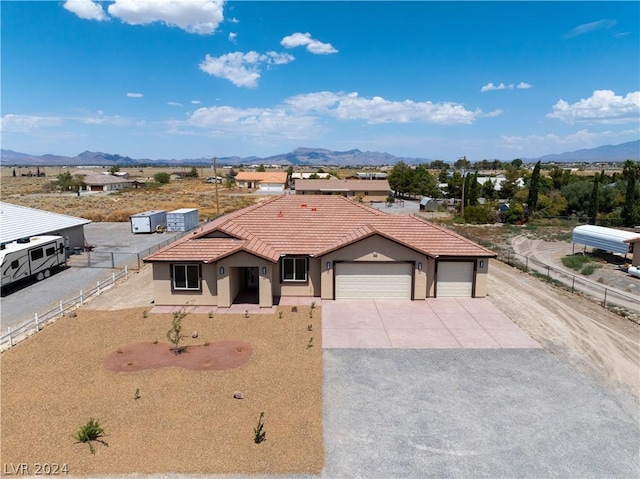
36, 256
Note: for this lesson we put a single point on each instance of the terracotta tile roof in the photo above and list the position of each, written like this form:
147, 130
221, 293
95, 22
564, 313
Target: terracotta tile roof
343, 185
312, 225
263, 176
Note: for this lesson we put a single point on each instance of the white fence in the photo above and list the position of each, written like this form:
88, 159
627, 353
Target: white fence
32, 326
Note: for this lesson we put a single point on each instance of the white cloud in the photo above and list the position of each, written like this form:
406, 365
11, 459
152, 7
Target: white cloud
491, 87
86, 9
304, 40
604, 107
242, 69
135, 95
174, 103
26, 123
524, 85
255, 122
350, 106
590, 27
195, 102
232, 37
194, 16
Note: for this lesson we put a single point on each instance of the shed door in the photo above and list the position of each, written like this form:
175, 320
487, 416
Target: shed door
373, 281
455, 278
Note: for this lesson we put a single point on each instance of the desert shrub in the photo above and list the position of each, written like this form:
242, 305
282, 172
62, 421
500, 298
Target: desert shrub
589, 268
259, 434
575, 261
162, 178
480, 214
89, 432
119, 216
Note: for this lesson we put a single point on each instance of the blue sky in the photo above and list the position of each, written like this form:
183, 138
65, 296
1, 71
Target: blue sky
162, 79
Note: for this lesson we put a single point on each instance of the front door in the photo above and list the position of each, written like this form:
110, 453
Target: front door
250, 278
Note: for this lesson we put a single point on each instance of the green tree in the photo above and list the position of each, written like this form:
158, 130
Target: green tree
400, 178
261, 168
162, 178
114, 169
595, 199
534, 189
474, 190
66, 182
443, 175
510, 185
175, 333
290, 171
488, 190
193, 173
462, 163
423, 183
517, 163
630, 209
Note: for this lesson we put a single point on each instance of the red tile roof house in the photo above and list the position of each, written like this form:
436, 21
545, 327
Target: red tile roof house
270, 181
329, 247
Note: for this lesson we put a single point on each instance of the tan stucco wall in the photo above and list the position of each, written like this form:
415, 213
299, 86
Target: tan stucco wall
375, 248
229, 284
431, 277
75, 235
309, 288
635, 260
163, 295
481, 278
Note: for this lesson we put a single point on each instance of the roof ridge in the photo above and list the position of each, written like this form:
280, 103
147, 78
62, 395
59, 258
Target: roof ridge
451, 233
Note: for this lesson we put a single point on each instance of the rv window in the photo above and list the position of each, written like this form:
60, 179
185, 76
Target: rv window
61, 249
51, 251
36, 254
15, 264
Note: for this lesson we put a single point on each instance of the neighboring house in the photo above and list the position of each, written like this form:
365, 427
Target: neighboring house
106, 183
371, 175
18, 222
370, 190
268, 181
328, 247
309, 175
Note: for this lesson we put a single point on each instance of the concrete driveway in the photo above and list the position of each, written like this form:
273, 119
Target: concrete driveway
433, 323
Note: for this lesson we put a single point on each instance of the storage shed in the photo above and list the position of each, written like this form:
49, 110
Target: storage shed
428, 204
149, 221
606, 239
183, 219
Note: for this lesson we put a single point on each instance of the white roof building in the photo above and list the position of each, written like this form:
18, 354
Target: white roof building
23, 222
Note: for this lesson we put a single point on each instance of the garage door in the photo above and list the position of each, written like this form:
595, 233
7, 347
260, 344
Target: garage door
373, 281
455, 278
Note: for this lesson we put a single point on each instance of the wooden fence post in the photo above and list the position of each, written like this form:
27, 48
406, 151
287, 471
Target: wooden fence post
37, 321
10, 338
81, 298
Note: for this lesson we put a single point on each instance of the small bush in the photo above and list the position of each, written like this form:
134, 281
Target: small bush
479, 214
575, 261
136, 395
162, 178
89, 432
309, 327
280, 314
259, 434
588, 269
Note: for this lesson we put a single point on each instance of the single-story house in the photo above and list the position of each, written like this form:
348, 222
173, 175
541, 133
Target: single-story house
309, 175
268, 181
18, 222
370, 190
106, 183
328, 247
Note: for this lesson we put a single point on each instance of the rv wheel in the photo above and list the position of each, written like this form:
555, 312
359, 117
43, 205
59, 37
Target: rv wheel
40, 277
47, 273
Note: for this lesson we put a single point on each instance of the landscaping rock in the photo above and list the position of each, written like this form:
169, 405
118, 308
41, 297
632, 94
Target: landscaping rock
194, 334
238, 395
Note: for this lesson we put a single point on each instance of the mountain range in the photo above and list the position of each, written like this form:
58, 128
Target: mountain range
305, 157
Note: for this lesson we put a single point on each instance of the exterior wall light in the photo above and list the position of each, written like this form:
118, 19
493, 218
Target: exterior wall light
481, 264
221, 270
264, 270
420, 265
328, 265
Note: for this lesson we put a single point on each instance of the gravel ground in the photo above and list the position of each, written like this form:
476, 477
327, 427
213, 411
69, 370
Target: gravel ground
185, 421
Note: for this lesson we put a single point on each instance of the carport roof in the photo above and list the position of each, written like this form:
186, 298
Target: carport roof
21, 222
312, 225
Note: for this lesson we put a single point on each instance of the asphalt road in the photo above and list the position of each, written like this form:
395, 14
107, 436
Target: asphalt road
22, 303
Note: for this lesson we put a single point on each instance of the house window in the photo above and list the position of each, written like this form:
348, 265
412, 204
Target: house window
37, 254
294, 269
186, 276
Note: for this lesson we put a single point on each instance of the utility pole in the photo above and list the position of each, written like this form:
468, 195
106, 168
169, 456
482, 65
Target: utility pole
215, 182
463, 185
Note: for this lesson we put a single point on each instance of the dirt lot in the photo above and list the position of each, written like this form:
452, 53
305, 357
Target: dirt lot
591, 339
184, 421
119, 206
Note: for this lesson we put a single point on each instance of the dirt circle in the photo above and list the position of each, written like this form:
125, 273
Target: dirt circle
218, 356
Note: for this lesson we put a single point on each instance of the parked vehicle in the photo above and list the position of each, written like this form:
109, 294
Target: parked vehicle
154, 221
28, 257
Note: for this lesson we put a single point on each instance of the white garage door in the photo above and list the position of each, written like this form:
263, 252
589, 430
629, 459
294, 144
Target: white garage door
373, 281
455, 278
